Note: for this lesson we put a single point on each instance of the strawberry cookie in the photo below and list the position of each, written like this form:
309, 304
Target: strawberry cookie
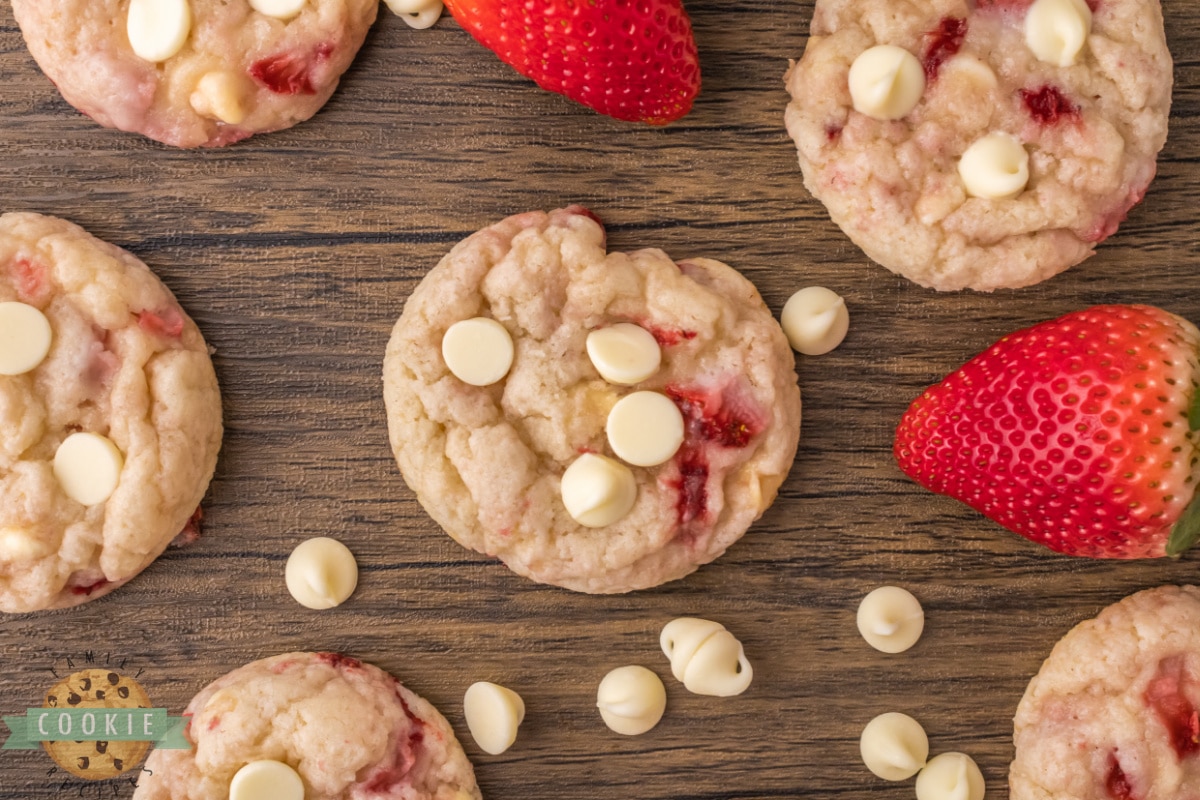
600, 421
1113, 713
110, 418
311, 726
195, 73
980, 145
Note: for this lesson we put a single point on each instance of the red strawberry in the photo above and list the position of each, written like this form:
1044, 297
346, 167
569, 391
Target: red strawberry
1078, 433
630, 59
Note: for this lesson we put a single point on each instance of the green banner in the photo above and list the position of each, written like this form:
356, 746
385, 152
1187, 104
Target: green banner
96, 725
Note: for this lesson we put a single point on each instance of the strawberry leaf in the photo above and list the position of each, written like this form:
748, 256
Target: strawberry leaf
1187, 530
1194, 410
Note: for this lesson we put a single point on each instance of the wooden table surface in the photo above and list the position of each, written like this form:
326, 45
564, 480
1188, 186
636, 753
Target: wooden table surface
295, 253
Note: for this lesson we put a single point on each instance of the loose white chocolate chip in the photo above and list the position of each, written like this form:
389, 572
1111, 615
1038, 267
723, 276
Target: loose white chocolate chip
894, 746
624, 353
1056, 30
88, 467
262, 779
157, 29
950, 776
886, 82
891, 619
419, 14
597, 490
280, 9
221, 96
18, 545
321, 573
493, 714
995, 167
815, 320
478, 351
631, 700
645, 428
706, 657
25, 338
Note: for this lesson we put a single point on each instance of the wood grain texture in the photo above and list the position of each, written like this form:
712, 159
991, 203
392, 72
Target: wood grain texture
295, 253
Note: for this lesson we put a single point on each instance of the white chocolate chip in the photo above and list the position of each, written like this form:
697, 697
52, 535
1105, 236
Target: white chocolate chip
645, 428
280, 9
970, 70
158, 29
995, 167
631, 700
222, 702
419, 14
401, 7
886, 82
597, 490
950, 776
706, 657
88, 467
261, 779
18, 545
894, 746
891, 619
624, 353
220, 95
321, 573
493, 714
1056, 30
815, 320
25, 338
478, 351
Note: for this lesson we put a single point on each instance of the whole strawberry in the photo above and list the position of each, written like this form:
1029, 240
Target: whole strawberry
630, 59
1078, 433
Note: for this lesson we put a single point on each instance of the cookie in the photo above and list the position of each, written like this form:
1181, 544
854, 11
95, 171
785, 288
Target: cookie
495, 464
97, 688
349, 729
1063, 152
195, 73
109, 429
1113, 713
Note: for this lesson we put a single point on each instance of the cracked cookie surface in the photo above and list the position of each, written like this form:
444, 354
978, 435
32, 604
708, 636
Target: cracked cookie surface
126, 363
1113, 713
349, 729
1092, 131
239, 72
487, 462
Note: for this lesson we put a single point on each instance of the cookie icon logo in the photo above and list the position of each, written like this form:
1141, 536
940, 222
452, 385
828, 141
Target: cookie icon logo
97, 724
99, 759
